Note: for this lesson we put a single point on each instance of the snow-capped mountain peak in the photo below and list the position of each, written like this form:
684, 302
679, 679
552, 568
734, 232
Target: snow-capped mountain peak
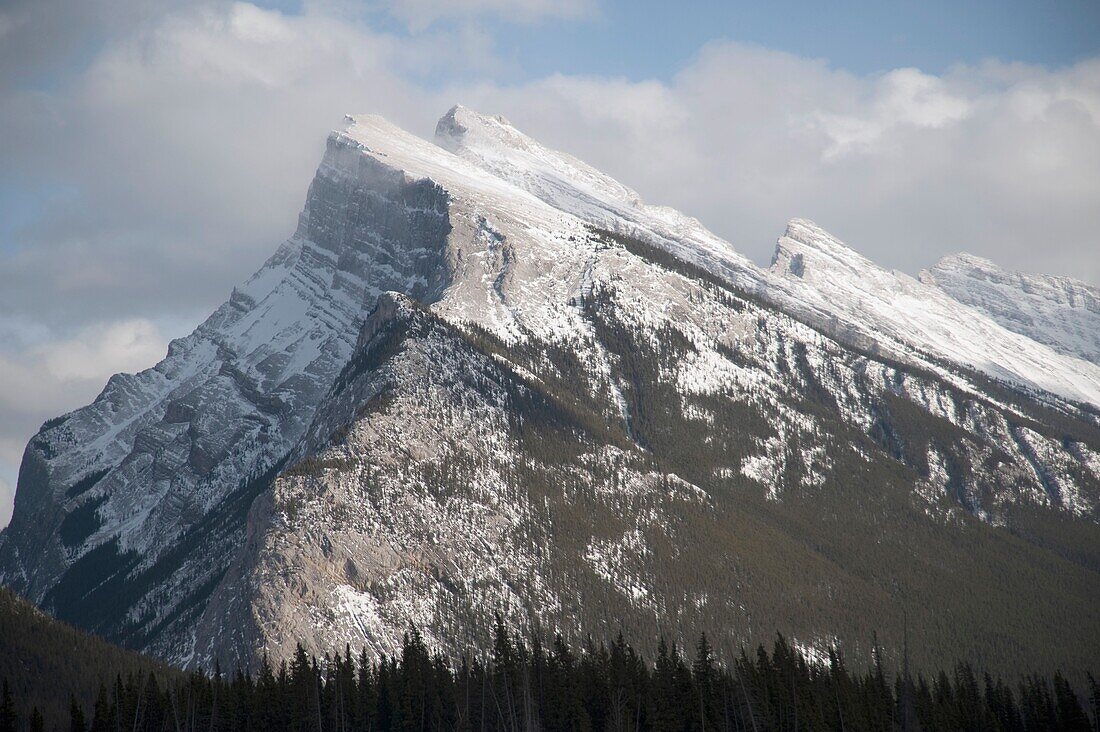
571, 185
854, 298
496, 145
804, 242
1060, 312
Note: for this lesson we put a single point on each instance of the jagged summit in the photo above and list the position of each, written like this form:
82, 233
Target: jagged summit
803, 240
854, 298
495, 144
460, 121
1073, 292
806, 233
812, 273
1060, 312
571, 185
960, 260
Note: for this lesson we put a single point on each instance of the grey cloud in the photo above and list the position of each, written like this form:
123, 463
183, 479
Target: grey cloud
41, 39
420, 14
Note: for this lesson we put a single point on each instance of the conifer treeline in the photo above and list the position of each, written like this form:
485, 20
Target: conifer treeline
596, 687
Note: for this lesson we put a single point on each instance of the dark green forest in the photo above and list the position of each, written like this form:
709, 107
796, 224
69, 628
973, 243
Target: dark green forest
598, 686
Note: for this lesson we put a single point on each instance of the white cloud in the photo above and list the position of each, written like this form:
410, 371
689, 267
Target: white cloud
900, 98
104, 349
7, 496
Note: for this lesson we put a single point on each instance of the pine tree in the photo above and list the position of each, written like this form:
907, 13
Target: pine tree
76, 717
906, 708
662, 698
266, 708
880, 701
37, 723
1094, 701
505, 666
703, 675
366, 694
415, 677
564, 709
303, 690
606, 687
101, 712
1071, 716
7, 710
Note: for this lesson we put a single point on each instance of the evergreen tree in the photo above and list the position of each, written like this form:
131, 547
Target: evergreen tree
101, 712
505, 666
76, 717
704, 677
366, 694
604, 687
37, 723
564, 708
1071, 716
665, 711
266, 707
1094, 701
7, 710
907, 712
415, 678
304, 701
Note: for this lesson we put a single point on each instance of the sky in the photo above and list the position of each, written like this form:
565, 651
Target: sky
153, 153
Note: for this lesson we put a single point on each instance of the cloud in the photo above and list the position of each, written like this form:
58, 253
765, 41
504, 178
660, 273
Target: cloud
189, 145
43, 39
7, 497
175, 156
182, 150
899, 99
420, 14
103, 349
41, 371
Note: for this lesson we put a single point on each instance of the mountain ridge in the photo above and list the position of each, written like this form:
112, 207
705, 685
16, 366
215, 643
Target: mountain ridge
573, 186
1060, 312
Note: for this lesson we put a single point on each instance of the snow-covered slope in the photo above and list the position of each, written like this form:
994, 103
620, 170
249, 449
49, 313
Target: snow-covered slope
913, 320
484, 376
570, 185
1060, 312
840, 289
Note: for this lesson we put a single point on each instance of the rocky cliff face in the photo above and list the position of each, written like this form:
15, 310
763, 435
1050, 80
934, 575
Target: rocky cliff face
130, 507
1059, 312
483, 377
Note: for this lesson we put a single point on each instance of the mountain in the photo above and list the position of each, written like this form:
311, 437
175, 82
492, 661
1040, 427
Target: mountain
1059, 312
483, 377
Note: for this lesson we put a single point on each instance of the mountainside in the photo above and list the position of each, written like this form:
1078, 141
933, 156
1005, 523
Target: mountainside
47, 663
893, 313
1059, 312
484, 377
